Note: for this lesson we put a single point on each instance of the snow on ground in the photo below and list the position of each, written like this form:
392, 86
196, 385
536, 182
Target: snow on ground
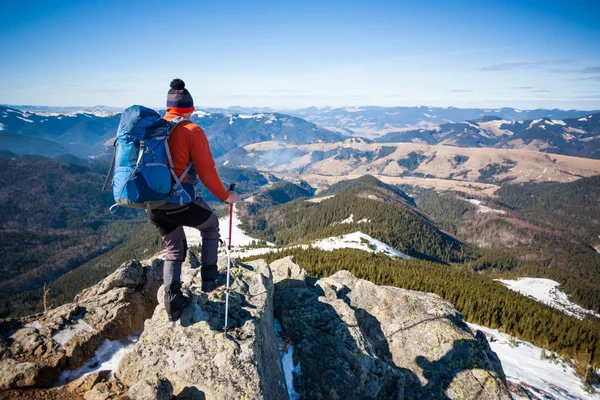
360, 241
319, 199
107, 357
201, 114
248, 116
63, 336
537, 378
584, 118
2, 127
238, 236
494, 127
348, 220
546, 291
484, 209
24, 119
535, 121
286, 352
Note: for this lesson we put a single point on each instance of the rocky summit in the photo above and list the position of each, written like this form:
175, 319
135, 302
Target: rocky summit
339, 337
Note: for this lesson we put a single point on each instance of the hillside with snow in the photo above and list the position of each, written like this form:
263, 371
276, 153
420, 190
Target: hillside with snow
547, 291
531, 377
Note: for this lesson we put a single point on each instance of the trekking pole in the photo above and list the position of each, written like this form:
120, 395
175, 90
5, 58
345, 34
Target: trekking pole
231, 188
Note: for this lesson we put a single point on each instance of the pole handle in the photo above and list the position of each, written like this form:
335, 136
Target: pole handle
232, 187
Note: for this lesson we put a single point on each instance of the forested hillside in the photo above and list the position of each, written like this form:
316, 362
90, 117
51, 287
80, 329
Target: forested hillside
542, 230
53, 217
138, 239
382, 215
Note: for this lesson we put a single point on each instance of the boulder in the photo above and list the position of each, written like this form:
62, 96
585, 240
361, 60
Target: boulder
286, 272
38, 347
422, 335
195, 354
14, 374
336, 359
151, 389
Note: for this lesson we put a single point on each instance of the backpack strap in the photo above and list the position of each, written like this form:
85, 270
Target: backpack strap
112, 167
178, 184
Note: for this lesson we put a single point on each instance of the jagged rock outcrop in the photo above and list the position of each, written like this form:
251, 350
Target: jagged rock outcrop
351, 339
350, 332
196, 356
35, 349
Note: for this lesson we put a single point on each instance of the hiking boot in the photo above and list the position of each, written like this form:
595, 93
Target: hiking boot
209, 286
182, 299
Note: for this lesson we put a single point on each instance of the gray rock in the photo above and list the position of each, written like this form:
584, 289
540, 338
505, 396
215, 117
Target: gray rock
198, 358
14, 374
286, 272
112, 309
336, 360
151, 389
422, 335
87, 382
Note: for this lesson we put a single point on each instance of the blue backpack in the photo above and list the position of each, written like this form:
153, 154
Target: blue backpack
142, 166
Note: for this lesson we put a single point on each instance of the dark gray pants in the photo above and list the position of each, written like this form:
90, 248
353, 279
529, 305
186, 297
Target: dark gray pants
170, 220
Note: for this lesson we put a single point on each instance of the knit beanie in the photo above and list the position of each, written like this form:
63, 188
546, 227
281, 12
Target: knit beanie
178, 98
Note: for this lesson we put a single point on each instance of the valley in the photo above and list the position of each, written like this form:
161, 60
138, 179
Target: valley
440, 218
472, 170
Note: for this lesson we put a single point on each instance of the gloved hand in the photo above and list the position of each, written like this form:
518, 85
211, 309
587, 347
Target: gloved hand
232, 198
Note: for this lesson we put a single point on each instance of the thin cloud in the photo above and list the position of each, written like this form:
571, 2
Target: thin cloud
288, 91
591, 70
461, 91
523, 87
511, 66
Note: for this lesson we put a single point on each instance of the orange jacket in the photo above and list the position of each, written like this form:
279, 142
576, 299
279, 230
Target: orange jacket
188, 141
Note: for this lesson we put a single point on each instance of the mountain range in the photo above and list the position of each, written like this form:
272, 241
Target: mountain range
89, 132
372, 121
570, 136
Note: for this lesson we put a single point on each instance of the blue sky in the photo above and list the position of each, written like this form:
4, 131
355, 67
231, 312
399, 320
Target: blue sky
524, 54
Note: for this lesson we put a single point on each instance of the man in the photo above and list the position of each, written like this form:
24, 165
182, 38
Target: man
187, 142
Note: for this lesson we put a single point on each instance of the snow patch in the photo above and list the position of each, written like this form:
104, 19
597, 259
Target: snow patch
546, 291
535, 121
353, 109
286, 352
320, 199
226, 162
360, 241
107, 357
484, 209
559, 122
523, 366
2, 127
239, 238
348, 220
24, 119
248, 116
63, 336
201, 114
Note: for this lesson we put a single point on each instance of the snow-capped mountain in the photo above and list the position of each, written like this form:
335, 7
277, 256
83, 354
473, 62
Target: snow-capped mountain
570, 136
373, 121
86, 133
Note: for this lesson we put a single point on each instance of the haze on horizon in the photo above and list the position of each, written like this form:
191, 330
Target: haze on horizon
513, 53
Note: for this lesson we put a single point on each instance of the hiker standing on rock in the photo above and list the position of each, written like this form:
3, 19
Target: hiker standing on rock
188, 142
